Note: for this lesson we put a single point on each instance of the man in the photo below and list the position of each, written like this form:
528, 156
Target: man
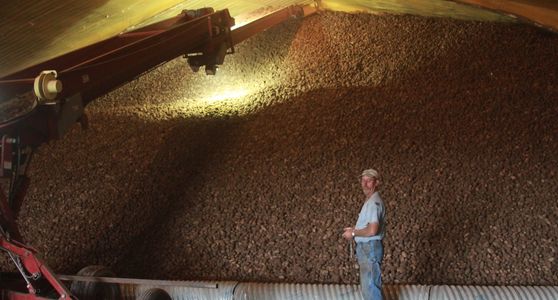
368, 234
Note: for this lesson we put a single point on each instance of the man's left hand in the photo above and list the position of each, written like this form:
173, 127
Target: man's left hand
348, 234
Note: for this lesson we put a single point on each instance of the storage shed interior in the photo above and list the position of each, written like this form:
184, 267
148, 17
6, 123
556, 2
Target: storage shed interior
252, 174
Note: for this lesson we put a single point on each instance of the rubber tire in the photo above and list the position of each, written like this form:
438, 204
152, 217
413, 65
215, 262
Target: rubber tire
155, 294
85, 290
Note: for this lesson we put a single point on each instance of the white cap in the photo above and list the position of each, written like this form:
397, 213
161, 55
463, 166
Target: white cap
370, 173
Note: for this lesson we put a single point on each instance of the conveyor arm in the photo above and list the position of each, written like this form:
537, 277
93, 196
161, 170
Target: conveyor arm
90, 72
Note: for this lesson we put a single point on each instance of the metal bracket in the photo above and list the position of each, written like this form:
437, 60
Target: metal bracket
47, 86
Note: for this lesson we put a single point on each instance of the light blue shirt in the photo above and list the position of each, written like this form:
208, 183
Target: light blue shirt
373, 211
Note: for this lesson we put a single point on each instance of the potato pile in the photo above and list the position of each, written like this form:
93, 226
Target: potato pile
251, 175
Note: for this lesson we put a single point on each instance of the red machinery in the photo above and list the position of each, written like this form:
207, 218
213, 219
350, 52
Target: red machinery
61, 88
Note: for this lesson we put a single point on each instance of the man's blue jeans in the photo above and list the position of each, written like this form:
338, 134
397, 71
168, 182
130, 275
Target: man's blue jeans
369, 256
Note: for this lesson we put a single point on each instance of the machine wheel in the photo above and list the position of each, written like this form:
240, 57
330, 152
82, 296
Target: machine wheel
85, 290
155, 294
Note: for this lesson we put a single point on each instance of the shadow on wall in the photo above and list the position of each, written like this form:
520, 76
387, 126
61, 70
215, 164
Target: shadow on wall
172, 188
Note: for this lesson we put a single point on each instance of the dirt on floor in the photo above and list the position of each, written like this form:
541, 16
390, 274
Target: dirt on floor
252, 174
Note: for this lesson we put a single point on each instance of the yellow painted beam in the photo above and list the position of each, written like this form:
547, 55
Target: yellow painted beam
429, 8
542, 12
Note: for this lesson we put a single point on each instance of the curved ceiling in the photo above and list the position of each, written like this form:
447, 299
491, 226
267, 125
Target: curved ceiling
32, 31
